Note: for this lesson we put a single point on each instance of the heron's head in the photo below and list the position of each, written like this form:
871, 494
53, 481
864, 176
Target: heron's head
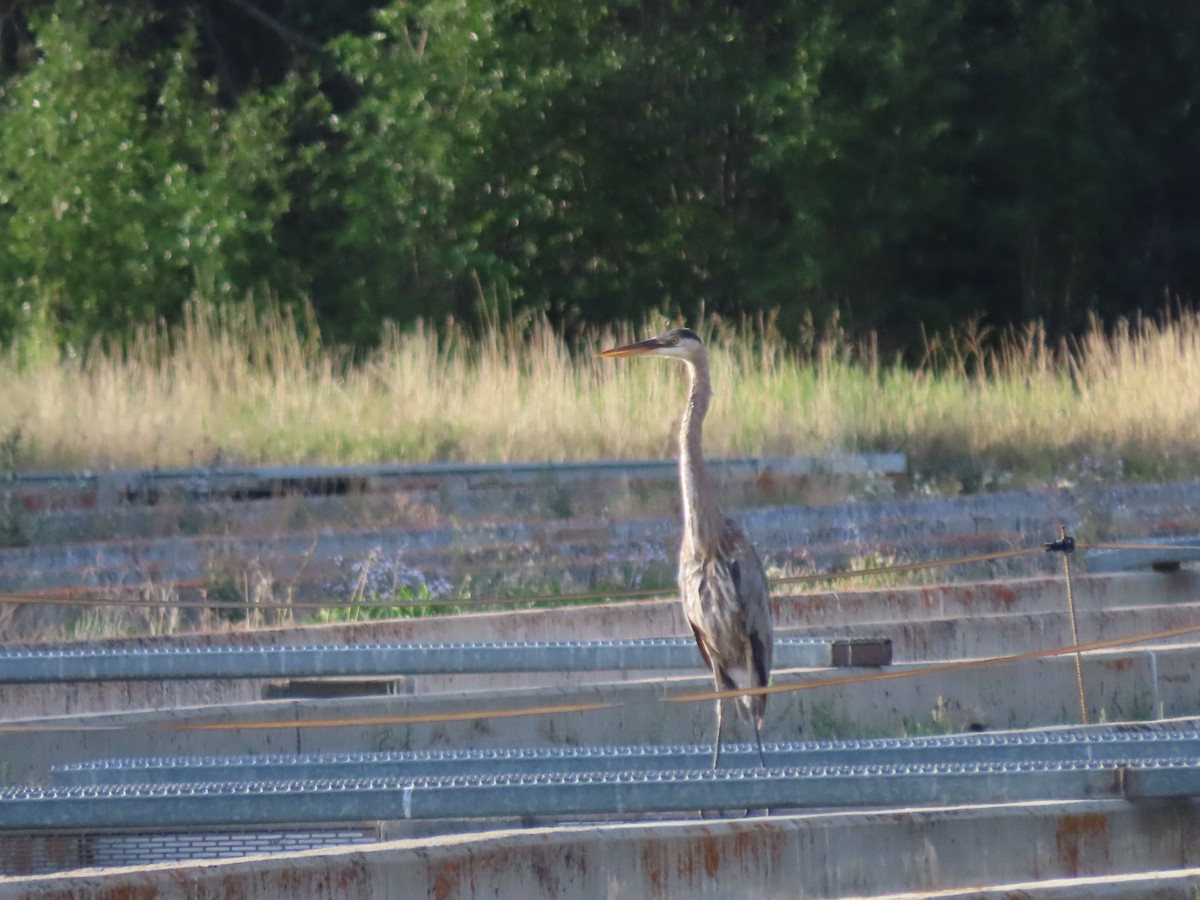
680, 343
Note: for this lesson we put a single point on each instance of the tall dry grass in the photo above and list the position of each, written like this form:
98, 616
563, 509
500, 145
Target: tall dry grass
230, 385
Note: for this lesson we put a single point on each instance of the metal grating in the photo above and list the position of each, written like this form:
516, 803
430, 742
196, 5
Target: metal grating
43, 854
1157, 741
142, 849
92, 664
554, 793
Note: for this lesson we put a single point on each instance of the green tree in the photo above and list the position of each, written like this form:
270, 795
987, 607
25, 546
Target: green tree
914, 164
124, 188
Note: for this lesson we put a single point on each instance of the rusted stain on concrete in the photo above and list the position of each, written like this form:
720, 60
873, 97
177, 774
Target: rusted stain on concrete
653, 859
1076, 833
737, 853
556, 868
546, 868
1005, 594
762, 844
447, 877
700, 858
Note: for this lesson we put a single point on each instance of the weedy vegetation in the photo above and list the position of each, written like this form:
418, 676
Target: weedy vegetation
980, 412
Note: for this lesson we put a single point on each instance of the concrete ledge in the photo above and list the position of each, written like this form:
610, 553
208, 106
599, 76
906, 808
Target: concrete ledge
815, 855
1181, 884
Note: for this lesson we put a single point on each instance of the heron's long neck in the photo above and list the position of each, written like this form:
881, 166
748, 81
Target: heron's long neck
701, 515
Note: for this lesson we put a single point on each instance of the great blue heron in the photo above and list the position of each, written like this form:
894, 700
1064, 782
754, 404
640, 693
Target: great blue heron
721, 578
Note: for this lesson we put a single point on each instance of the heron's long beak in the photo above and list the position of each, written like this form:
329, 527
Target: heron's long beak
636, 349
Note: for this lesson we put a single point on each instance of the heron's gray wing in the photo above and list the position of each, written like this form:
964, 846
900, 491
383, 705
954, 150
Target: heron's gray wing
750, 583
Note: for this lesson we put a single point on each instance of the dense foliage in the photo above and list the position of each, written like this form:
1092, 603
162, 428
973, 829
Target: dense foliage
925, 161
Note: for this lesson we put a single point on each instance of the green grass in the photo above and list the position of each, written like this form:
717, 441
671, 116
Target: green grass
978, 414
370, 607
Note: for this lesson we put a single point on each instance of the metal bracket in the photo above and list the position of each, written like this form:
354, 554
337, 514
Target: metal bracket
1064, 544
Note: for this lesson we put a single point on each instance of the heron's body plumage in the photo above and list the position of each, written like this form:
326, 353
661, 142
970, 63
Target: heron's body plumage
733, 631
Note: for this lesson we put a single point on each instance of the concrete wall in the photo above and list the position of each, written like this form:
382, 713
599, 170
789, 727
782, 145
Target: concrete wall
812, 855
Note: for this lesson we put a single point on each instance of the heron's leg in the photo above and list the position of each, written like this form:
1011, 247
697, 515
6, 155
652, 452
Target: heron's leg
717, 752
758, 740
